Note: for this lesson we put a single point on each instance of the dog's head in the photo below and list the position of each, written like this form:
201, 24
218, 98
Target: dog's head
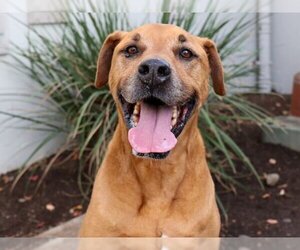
159, 75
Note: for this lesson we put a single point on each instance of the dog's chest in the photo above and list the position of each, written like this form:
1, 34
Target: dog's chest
155, 222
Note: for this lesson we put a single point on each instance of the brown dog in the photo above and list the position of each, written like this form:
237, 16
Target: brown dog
154, 179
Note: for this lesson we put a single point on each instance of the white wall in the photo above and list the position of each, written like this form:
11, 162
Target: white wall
17, 140
285, 46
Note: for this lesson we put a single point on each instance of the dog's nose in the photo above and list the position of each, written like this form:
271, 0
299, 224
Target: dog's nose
154, 71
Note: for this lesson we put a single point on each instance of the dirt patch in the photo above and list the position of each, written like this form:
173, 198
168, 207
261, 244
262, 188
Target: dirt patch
57, 200
275, 210
257, 212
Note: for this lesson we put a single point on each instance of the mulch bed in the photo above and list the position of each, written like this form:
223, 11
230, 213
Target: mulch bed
257, 212
57, 200
275, 211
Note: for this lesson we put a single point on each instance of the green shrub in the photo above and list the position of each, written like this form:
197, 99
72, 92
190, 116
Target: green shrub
65, 70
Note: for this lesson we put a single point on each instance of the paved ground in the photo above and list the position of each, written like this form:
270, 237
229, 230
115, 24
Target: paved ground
286, 132
69, 229
59, 237
62, 237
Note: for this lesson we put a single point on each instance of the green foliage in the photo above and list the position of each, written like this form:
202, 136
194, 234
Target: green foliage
65, 69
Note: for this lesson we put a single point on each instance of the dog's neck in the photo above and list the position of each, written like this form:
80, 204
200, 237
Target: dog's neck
162, 178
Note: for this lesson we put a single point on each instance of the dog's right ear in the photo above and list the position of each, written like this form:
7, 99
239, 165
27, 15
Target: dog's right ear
105, 57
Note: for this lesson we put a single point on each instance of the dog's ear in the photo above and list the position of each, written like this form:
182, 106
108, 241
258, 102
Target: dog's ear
105, 57
216, 68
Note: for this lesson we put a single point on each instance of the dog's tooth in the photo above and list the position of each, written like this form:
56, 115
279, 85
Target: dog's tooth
175, 113
173, 122
137, 109
134, 118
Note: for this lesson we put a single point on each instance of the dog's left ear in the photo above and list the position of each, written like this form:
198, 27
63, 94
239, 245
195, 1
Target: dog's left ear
105, 57
216, 68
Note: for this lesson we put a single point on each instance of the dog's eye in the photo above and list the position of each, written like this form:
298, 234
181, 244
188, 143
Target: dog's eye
131, 50
186, 54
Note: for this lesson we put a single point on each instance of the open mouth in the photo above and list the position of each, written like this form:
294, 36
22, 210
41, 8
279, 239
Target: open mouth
154, 126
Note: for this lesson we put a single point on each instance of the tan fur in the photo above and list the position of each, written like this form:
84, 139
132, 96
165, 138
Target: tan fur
147, 197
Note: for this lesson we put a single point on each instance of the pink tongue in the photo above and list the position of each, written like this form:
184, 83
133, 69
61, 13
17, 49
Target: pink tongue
152, 134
